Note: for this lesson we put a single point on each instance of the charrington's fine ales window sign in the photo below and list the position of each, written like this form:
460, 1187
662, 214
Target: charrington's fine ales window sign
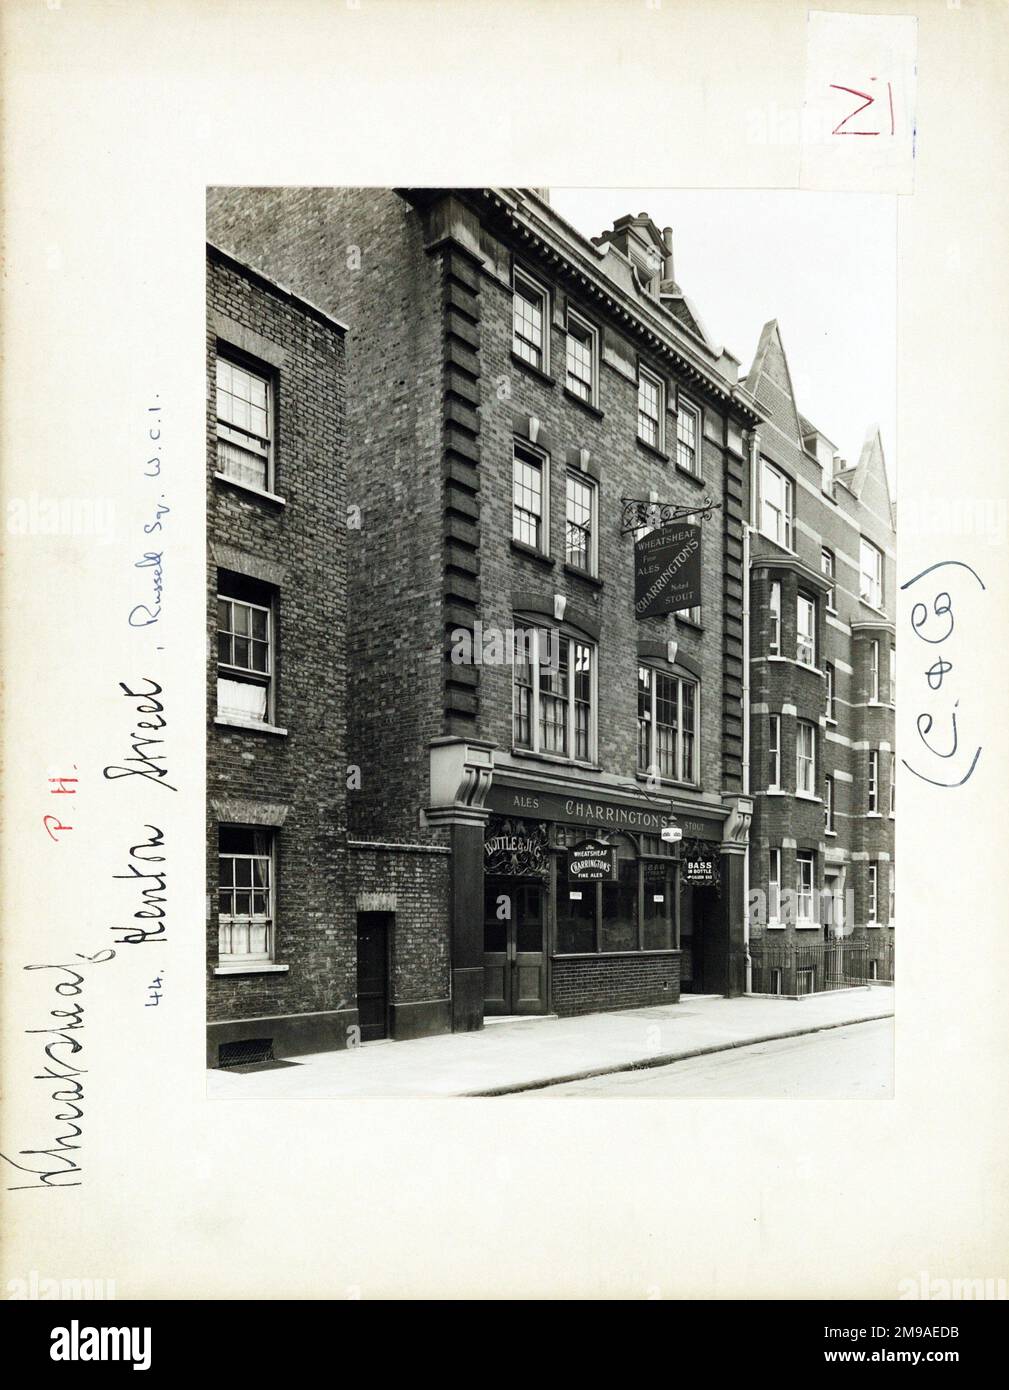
592, 861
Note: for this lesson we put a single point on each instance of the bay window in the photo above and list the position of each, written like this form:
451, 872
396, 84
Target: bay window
805, 642
805, 758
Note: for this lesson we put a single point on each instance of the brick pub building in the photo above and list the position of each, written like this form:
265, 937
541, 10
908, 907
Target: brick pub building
822, 665
509, 384
281, 959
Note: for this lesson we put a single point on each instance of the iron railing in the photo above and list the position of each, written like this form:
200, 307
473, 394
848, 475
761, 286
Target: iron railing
794, 968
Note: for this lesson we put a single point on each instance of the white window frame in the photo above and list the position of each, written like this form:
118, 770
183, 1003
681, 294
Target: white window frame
872, 788
542, 460
246, 675
267, 920
530, 283
572, 476
892, 894
774, 885
893, 784
687, 408
774, 750
872, 890
802, 762
828, 567
539, 658
783, 518
830, 681
651, 767
583, 326
659, 442
257, 446
829, 828
893, 674
774, 606
804, 897
805, 641
874, 670
870, 576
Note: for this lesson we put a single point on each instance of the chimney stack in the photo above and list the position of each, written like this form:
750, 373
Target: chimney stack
667, 262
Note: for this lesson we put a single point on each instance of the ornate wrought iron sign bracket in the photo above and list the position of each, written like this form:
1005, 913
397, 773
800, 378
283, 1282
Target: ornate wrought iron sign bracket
637, 513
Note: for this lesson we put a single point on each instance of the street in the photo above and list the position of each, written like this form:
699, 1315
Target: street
850, 1063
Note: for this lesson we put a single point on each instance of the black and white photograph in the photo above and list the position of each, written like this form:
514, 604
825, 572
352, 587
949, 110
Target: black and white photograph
599, 623
475, 476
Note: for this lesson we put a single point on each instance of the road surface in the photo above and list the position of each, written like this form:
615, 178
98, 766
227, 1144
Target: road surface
854, 1062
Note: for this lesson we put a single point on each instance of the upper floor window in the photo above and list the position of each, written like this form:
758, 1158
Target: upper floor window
870, 579
651, 408
245, 893
581, 370
688, 429
805, 631
774, 885
667, 725
828, 805
893, 675
529, 498
891, 915
530, 321
873, 784
774, 752
553, 694
805, 758
893, 783
244, 425
776, 505
244, 651
827, 568
874, 670
774, 610
580, 524
830, 696
691, 615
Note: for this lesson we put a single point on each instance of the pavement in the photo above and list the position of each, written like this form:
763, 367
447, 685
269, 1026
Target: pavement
524, 1054
850, 1063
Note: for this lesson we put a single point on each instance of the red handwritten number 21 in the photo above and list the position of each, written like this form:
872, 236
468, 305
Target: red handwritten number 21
867, 100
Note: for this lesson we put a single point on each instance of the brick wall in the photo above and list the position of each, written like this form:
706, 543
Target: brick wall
419, 884
582, 985
299, 777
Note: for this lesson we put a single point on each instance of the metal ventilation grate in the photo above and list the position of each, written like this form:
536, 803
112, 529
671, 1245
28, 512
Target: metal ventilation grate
248, 1050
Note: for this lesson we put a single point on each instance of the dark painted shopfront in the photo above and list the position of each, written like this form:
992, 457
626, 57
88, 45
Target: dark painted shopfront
586, 907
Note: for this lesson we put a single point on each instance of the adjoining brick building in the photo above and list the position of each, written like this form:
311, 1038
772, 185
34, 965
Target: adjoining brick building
822, 668
281, 959
510, 384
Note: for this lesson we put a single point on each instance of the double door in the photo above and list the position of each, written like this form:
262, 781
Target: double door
514, 959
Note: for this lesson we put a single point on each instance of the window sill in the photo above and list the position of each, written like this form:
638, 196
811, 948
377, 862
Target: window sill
874, 815
544, 378
588, 406
558, 759
774, 926
669, 782
873, 926
830, 834
250, 488
689, 622
257, 967
592, 579
256, 726
689, 473
808, 796
827, 720
596, 955
775, 791
529, 553
651, 449
807, 926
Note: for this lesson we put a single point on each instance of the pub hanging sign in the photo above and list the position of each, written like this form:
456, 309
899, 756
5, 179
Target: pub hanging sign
667, 570
592, 861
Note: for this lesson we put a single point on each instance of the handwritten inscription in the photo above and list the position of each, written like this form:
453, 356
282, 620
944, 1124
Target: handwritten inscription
55, 1166
933, 622
151, 883
144, 761
867, 99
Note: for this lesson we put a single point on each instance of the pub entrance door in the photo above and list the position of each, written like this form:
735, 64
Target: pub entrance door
514, 960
